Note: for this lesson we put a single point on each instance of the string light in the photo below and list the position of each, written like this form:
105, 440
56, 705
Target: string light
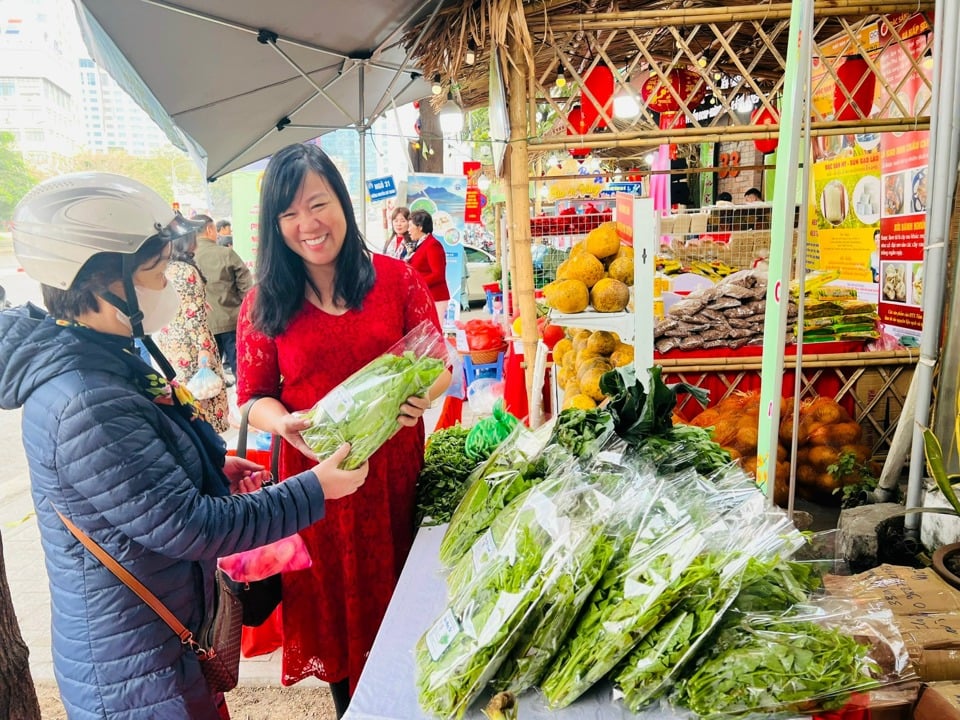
471, 55
436, 88
561, 81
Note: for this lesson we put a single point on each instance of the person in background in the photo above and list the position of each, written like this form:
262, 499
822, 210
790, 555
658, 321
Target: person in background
228, 280
224, 233
324, 306
724, 198
427, 256
399, 235
188, 334
123, 454
752, 196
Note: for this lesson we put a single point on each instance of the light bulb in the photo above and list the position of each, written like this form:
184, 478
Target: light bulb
561, 80
470, 57
451, 117
625, 106
483, 182
436, 88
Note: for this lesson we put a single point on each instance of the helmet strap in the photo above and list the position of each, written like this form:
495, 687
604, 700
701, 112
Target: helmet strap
131, 309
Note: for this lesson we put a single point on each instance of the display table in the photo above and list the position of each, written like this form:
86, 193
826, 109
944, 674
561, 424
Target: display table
387, 690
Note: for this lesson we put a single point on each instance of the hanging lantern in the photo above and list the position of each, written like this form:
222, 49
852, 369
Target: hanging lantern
849, 73
763, 116
684, 82
599, 81
577, 126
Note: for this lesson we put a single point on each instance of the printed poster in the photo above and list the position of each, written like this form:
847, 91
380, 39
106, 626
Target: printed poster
245, 212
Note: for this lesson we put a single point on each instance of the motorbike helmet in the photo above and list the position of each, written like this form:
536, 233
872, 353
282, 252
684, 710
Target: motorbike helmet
63, 222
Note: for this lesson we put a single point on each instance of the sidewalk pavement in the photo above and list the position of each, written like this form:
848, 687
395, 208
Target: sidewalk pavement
26, 571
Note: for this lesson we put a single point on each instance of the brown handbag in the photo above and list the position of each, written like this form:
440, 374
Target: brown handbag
217, 642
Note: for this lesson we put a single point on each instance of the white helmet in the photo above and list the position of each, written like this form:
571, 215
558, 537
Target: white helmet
65, 221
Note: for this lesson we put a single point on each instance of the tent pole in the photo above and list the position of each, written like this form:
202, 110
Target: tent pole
518, 209
781, 241
942, 172
362, 134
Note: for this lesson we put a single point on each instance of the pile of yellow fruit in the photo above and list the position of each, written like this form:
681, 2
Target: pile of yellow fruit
598, 272
581, 359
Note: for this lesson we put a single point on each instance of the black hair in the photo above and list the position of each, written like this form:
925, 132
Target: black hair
725, 197
753, 191
182, 252
423, 220
281, 275
221, 224
94, 278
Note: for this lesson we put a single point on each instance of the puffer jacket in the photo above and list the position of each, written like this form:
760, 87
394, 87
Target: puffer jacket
112, 461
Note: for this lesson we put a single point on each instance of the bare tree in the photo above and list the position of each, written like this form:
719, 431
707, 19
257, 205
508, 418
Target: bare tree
18, 697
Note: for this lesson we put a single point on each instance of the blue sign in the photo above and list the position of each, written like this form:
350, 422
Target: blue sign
632, 188
381, 188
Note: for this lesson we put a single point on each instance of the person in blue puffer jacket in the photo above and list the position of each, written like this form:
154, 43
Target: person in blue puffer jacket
124, 454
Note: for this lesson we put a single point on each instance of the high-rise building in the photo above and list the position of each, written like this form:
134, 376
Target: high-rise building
112, 119
38, 80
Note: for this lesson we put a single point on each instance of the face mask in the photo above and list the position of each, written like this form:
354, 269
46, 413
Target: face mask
159, 307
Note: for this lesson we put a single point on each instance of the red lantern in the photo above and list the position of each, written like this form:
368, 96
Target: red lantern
575, 122
659, 98
849, 74
763, 116
599, 81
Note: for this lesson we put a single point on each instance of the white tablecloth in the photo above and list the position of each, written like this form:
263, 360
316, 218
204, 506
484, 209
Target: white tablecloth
386, 690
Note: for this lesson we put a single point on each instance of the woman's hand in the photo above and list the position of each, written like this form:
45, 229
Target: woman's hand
245, 475
289, 427
412, 410
337, 483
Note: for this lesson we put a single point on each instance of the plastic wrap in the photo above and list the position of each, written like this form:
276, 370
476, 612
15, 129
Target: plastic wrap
510, 469
809, 659
555, 528
363, 409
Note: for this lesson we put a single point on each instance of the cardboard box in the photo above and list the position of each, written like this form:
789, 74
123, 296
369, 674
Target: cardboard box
926, 611
939, 701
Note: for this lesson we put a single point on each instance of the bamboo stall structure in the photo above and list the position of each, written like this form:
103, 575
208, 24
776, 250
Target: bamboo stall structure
736, 49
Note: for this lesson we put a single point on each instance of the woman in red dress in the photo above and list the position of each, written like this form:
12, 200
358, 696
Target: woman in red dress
429, 258
324, 307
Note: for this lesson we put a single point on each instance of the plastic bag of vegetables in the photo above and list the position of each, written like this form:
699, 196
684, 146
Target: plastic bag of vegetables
808, 660
363, 409
509, 470
463, 649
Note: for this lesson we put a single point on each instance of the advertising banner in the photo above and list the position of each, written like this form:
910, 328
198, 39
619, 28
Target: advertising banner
245, 212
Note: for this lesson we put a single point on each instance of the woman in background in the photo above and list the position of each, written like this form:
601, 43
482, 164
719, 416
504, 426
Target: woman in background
396, 245
429, 258
188, 335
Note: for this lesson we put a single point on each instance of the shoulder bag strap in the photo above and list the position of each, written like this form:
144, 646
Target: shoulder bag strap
242, 439
127, 578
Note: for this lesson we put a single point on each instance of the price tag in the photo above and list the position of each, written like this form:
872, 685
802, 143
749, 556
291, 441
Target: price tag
439, 637
484, 548
337, 403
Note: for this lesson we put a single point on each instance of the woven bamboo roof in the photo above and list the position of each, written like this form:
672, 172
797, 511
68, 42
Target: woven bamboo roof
737, 47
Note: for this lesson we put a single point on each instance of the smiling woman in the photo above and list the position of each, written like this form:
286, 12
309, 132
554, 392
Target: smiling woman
325, 307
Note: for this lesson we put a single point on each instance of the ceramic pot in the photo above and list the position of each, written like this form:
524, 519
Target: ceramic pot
940, 563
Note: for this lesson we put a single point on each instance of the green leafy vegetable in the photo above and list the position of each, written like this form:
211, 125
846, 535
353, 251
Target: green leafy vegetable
778, 665
363, 409
581, 431
442, 479
681, 447
638, 414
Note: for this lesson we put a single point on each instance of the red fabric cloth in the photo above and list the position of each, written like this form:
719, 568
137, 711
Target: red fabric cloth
332, 611
430, 260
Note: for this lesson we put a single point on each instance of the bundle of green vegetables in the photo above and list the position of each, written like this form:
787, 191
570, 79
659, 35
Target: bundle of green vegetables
443, 477
658, 661
803, 661
511, 469
636, 592
554, 615
560, 521
363, 409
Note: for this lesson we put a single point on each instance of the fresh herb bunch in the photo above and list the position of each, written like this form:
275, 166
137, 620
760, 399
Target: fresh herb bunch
635, 594
776, 585
581, 431
681, 447
363, 409
442, 479
778, 665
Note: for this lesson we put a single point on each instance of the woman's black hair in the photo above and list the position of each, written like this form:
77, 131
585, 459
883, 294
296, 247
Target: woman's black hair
423, 220
94, 278
281, 275
184, 247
